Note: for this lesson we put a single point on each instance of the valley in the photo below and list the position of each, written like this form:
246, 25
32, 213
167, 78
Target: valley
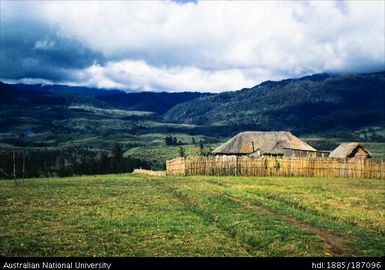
70, 121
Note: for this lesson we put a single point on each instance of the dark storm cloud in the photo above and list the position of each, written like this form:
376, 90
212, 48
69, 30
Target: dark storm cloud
32, 50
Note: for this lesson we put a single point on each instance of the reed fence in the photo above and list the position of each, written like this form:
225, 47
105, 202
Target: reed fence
276, 166
149, 172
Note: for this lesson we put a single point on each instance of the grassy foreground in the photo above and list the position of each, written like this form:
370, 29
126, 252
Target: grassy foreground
135, 215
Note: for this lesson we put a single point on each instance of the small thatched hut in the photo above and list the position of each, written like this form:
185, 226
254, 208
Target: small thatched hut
350, 150
257, 143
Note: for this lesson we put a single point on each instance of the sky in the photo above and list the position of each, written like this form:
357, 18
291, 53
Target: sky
207, 46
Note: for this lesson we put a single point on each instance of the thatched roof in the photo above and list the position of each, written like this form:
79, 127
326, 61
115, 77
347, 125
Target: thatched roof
249, 142
346, 150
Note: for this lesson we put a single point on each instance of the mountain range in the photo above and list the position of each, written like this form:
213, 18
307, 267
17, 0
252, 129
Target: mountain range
316, 103
40, 95
320, 103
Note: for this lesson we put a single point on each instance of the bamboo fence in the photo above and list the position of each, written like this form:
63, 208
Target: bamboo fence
276, 166
149, 172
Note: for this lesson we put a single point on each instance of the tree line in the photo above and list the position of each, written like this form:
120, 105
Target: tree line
170, 140
67, 162
203, 151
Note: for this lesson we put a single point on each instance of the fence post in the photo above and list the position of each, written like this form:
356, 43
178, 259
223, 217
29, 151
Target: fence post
23, 164
14, 167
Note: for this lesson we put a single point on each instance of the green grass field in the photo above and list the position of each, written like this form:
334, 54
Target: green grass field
136, 215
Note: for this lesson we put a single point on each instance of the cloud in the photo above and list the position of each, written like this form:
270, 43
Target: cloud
30, 49
45, 44
188, 45
138, 75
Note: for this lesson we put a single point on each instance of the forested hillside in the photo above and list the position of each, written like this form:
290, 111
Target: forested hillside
49, 95
310, 104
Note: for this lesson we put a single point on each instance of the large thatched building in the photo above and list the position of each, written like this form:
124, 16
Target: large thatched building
257, 143
350, 150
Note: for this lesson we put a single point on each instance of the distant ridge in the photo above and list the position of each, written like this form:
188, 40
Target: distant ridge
40, 94
315, 103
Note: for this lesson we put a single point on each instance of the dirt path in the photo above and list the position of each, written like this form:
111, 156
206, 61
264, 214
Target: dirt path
332, 243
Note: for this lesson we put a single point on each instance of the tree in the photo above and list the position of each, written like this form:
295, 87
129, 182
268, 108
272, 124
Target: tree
174, 141
209, 151
62, 170
182, 152
117, 157
201, 148
168, 140
104, 163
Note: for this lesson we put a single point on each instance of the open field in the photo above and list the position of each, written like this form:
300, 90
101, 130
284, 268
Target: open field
136, 215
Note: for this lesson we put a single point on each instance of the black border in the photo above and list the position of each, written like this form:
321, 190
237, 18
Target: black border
276, 263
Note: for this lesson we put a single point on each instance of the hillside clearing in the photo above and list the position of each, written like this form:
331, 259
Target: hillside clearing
136, 215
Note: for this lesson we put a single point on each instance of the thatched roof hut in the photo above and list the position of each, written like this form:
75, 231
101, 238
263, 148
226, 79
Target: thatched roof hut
350, 150
256, 143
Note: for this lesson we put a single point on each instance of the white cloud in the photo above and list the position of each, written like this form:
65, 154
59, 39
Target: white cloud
217, 45
138, 75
